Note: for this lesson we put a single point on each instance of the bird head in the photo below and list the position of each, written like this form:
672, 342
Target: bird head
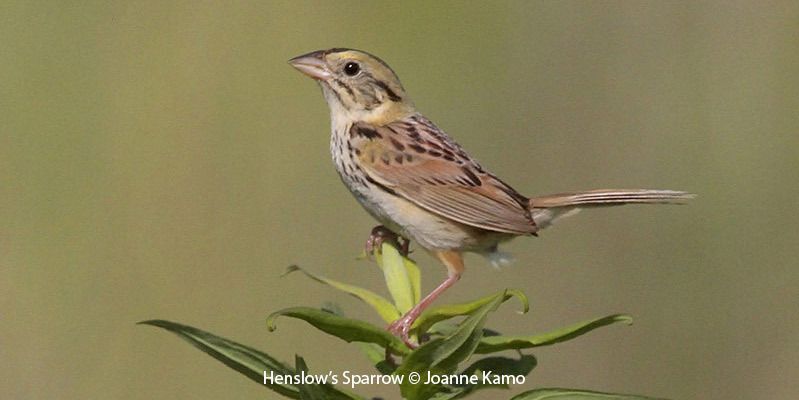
357, 85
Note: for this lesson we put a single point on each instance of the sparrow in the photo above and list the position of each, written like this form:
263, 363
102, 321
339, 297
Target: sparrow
422, 185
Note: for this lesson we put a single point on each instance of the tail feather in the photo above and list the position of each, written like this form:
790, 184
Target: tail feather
547, 209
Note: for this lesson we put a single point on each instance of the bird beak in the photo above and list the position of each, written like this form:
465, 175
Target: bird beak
312, 64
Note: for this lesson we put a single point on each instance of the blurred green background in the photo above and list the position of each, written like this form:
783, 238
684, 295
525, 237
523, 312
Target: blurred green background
161, 160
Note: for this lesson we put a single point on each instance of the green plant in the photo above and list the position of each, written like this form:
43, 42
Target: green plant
446, 345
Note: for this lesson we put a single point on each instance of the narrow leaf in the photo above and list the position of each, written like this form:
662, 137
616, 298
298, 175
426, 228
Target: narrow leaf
574, 394
388, 312
375, 353
415, 278
491, 344
439, 313
396, 276
350, 330
249, 362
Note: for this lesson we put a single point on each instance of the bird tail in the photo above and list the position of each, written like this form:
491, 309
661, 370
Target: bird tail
547, 209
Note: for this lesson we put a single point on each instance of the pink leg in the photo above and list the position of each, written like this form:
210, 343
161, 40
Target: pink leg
402, 326
454, 263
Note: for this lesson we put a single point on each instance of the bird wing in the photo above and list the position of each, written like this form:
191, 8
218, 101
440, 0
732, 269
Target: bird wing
414, 159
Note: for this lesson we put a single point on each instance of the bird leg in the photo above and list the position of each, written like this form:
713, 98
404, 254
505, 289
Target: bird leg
382, 234
402, 326
453, 260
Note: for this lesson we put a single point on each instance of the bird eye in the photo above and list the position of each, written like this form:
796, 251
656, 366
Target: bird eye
351, 68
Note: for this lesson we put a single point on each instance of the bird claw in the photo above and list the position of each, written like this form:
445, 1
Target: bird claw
402, 328
382, 234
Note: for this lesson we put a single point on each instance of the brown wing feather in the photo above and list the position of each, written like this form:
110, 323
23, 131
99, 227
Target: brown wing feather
419, 162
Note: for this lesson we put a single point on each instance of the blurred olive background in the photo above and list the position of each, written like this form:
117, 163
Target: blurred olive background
161, 160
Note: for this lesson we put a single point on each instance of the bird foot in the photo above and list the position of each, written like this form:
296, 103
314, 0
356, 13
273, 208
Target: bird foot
402, 328
382, 234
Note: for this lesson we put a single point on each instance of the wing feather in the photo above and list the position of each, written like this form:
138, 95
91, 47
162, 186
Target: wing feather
421, 163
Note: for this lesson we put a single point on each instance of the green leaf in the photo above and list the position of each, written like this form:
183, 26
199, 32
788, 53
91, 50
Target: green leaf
415, 277
442, 355
387, 311
574, 394
249, 362
375, 353
350, 330
439, 313
491, 344
397, 278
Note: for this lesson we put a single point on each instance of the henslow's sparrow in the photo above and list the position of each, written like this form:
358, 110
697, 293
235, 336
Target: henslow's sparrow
419, 183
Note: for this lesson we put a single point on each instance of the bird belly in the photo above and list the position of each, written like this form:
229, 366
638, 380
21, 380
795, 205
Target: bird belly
429, 230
